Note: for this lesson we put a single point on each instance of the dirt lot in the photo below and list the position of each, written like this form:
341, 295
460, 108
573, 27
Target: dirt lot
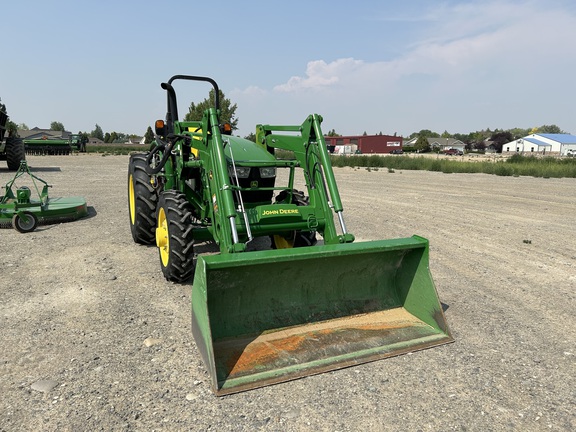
93, 337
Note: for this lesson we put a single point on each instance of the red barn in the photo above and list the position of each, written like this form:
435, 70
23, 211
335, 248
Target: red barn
364, 144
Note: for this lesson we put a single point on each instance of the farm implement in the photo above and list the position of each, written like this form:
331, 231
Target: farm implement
18, 209
54, 146
295, 308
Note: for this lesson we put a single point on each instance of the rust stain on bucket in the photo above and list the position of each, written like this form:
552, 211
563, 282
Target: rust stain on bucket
295, 345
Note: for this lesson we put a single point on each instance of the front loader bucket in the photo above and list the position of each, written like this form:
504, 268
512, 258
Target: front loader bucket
265, 317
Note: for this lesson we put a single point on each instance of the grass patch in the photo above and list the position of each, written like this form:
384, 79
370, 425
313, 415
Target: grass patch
116, 149
516, 165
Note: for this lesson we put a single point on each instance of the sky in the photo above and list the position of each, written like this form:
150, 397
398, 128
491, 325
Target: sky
365, 66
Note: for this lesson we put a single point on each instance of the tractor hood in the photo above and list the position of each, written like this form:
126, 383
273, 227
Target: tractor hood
247, 152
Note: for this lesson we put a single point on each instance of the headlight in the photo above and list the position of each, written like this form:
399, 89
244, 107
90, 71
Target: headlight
267, 172
241, 172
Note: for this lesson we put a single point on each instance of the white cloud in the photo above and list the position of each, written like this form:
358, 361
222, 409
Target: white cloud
470, 36
480, 66
320, 74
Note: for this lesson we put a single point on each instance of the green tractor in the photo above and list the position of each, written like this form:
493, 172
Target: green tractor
11, 148
300, 306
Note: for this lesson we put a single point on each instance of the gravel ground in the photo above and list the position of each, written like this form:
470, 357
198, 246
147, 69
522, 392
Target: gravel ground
93, 338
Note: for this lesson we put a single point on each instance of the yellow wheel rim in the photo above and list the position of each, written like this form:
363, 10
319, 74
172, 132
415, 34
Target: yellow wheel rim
282, 242
132, 200
162, 237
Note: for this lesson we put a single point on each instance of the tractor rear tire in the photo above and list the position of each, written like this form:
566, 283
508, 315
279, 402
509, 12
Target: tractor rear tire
142, 201
174, 239
15, 152
297, 238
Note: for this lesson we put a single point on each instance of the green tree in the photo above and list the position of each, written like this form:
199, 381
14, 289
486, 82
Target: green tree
97, 133
519, 132
465, 138
251, 137
500, 138
550, 129
477, 139
113, 137
23, 126
107, 137
427, 133
12, 129
148, 136
57, 126
332, 133
422, 144
227, 109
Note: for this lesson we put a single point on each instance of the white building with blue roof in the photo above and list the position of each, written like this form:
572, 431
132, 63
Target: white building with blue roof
556, 144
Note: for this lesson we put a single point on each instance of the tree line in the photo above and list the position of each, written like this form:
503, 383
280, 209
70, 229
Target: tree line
477, 140
480, 140
97, 132
195, 113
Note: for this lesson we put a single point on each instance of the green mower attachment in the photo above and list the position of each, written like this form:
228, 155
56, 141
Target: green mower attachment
19, 210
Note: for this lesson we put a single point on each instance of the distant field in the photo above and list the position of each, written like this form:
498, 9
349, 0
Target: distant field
497, 164
515, 165
116, 149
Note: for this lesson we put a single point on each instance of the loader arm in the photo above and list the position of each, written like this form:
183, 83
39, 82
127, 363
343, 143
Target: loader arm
220, 187
312, 155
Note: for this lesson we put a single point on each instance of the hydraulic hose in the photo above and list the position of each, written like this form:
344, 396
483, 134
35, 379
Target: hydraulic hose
166, 149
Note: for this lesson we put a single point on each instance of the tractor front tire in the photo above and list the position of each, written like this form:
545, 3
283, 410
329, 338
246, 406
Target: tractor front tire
15, 152
295, 238
174, 236
142, 201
